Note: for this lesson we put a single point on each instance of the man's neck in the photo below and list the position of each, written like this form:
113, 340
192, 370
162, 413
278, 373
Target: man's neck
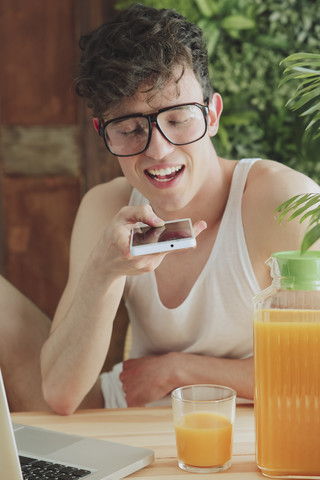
210, 202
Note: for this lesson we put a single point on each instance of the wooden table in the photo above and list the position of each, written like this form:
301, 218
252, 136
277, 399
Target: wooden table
152, 428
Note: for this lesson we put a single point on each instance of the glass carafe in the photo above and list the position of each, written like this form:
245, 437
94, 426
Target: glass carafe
287, 368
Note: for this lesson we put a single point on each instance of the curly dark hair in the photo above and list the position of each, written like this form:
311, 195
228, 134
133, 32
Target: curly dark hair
142, 45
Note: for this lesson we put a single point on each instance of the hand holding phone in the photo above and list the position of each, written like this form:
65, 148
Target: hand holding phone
173, 235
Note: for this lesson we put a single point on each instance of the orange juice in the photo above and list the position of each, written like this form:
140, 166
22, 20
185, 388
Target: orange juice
287, 391
204, 439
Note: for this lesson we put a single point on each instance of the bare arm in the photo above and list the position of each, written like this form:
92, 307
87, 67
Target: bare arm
100, 260
72, 357
148, 379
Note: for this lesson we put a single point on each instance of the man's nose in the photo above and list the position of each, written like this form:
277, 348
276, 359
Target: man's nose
159, 146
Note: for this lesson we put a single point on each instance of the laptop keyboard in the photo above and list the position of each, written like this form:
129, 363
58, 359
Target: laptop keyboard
34, 469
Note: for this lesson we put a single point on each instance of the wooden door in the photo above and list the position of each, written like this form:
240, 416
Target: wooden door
49, 152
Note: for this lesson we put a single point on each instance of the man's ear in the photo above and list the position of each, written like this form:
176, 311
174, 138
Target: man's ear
96, 124
215, 110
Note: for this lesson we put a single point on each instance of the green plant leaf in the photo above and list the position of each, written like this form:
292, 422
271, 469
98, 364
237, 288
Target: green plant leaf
207, 7
308, 204
313, 213
286, 204
302, 57
300, 204
301, 72
212, 33
292, 204
306, 97
310, 238
313, 122
272, 42
237, 22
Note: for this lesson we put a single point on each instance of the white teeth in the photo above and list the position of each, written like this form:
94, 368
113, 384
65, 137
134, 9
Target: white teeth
164, 171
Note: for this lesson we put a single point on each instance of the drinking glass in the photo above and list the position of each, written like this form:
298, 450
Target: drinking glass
203, 418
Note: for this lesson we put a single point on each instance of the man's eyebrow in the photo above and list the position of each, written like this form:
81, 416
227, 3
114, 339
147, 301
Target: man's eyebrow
131, 115
120, 119
145, 114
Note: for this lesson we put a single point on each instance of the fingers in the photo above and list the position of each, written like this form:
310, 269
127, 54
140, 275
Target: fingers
122, 225
125, 220
141, 213
198, 227
144, 214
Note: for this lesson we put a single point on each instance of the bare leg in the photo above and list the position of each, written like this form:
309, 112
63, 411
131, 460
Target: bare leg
23, 330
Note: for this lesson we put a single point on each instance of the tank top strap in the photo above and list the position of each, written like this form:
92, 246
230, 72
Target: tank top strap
239, 179
238, 184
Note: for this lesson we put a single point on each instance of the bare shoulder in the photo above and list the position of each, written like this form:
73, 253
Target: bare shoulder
270, 183
101, 203
97, 209
108, 197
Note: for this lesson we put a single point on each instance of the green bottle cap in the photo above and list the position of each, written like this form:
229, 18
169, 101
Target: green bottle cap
297, 271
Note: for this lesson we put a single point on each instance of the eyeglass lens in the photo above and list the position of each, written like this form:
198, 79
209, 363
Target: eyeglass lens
180, 125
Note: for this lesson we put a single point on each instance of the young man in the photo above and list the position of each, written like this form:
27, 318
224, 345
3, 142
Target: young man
146, 77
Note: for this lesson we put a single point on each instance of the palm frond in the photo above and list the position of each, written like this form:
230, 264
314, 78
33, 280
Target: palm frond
310, 237
304, 68
301, 205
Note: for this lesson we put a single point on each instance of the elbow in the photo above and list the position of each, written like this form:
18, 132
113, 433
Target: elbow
57, 393
60, 402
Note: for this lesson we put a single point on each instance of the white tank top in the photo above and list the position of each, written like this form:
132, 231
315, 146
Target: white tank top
216, 318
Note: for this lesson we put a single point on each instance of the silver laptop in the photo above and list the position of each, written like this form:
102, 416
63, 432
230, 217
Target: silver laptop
26, 452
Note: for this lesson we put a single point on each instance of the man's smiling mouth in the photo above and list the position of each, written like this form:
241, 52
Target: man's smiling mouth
164, 174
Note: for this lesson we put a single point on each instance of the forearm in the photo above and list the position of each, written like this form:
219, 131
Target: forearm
188, 369
147, 379
72, 357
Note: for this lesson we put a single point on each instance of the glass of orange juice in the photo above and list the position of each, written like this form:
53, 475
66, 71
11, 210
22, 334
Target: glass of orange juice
203, 417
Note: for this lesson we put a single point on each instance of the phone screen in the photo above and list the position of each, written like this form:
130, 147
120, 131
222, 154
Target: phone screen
170, 231
172, 235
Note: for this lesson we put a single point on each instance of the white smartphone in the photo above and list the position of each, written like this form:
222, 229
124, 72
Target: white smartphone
173, 235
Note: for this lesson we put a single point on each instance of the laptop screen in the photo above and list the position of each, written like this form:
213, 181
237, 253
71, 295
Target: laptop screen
9, 460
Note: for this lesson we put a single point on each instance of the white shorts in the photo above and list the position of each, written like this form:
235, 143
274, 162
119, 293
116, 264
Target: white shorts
114, 396
111, 387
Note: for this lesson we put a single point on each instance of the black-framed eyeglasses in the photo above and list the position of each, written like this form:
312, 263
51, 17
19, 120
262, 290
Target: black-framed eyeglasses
130, 135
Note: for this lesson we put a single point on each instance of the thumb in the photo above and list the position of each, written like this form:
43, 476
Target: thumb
199, 226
